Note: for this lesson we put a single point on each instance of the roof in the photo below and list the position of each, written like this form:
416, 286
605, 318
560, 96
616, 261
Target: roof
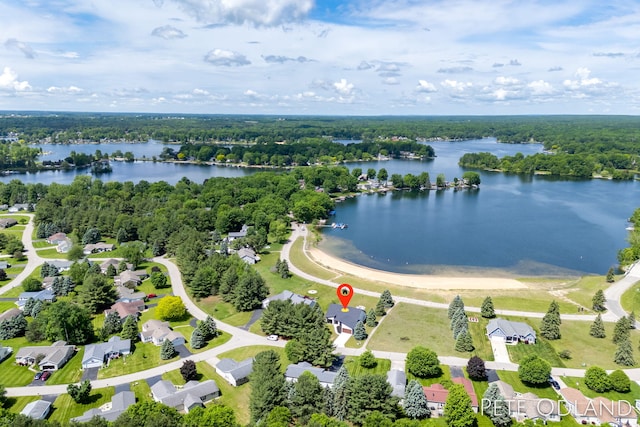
241, 233
56, 237
247, 253
53, 354
97, 246
436, 393
295, 370
61, 264
506, 390
468, 387
398, 381
510, 328
44, 295
119, 403
125, 293
238, 370
349, 318
165, 392
98, 351
603, 409
125, 309
159, 331
37, 410
294, 298
10, 314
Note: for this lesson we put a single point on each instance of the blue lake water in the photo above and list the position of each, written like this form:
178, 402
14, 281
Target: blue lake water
520, 225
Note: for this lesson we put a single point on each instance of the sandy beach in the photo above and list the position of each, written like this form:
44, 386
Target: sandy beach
412, 280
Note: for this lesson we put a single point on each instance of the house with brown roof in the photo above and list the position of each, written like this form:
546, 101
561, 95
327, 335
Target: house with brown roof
436, 396
56, 238
598, 411
10, 314
528, 406
124, 309
468, 387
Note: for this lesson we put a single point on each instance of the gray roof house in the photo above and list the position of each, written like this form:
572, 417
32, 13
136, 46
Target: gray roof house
119, 403
156, 331
55, 355
238, 234
7, 222
56, 238
64, 246
511, 332
248, 255
95, 355
398, 381
115, 262
4, 265
288, 295
128, 276
38, 410
129, 295
61, 265
344, 322
45, 295
5, 352
192, 394
95, 248
236, 373
19, 207
294, 371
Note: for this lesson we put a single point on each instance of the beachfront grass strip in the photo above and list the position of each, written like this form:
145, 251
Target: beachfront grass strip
144, 356
583, 290
64, 408
14, 375
16, 404
511, 377
408, 325
352, 364
71, 372
300, 260
577, 382
630, 300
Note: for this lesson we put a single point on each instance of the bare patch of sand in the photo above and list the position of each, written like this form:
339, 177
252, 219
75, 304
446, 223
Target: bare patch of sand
412, 280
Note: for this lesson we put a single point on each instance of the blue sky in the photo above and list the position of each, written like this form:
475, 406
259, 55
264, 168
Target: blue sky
349, 57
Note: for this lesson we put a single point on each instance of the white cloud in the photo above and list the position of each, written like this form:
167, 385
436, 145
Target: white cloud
69, 90
226, 58
23, 47
168, 32
256, 12
343, 87
390, 81
506, 81
540, 87
456, 85
9, 81
425, 86
583, 80
203, 92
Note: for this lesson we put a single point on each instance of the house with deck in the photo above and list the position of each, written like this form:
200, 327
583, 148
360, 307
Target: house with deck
96, 355
119, 403
156, 331
511, 332
294, 371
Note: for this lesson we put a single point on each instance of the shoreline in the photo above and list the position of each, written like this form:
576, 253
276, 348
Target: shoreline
420, 281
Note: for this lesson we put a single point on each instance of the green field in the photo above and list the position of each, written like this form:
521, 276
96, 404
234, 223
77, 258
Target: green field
14, 375
71, 372
224, 311
17, 404
64, 408
630, 300
145, 356
510, 377
355, 370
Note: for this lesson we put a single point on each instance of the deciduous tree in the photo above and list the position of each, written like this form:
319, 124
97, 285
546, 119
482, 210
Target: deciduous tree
476, 369
423, 363
188, 370
171, 308
534, 370
457, 409
597, 379
619, 381
368, 360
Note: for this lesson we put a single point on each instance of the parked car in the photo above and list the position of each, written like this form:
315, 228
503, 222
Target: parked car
37, 376
152, 296
45, 375
272, 338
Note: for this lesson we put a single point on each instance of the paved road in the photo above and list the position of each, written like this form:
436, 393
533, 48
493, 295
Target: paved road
614, 292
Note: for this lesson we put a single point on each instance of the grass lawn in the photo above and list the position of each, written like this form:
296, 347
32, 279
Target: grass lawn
6, 305
578, 383
407, 326
300, 260
145, 356
630, 300
64, 408
221, 310
17, 404
13, 293
355, 370
39, 244
151, 314
14, 375
236, 398
242, 353
51, 253
71, 372
174, 376
222, 338
444, 378
583, 290
142, 390
510, 377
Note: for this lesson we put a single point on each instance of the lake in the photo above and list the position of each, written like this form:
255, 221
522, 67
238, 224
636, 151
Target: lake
519, 225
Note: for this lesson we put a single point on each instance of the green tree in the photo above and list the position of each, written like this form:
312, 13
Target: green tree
597, 379
415, 401
188, 370
167, 350
159, 280
487, 310
455, 305
377, 419
307, 397
476, 369
96, 293
197, 339
611, 275
250, 290
621, 330
65, 321
149, 413
209, 328
371, 318
379, 310
280, 416
440, 180
80, 393
112, 324
132, 253
75, 253
360, 333
130, 329
369, 393
367, 360
111, 271
341, 393
457, 409
598, 301
471, 178
32, 284
534, 370
171, 308
624, 354
92, 235
597, 328
550, 326
267, 385
211, 416
386, 298
327, 401
464, 342
423, 363
619, 381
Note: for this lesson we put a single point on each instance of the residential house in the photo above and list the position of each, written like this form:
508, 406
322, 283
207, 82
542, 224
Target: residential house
38, 409
398, 381
119, 403
130, 278
64, 246
19, 207
129, 295
95, 355
436, 396
248, 255
7, 222
96, 248
511, 332
47, 282
61, 265
288, 295
236, 373
528, 405
344, 322
468, 387
4, 207
156, 331
56, 238
55, 355
4, 265
45, 295
187, 397
116, 263
237, 234
294, 371
124, 309
10, 314
5, 352
599, 410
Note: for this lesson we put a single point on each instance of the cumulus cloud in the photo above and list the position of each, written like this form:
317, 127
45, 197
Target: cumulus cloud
425, 86
9, 81
168, 32
390, 81
278, 59
540, 87
256, 12
69, 90
26, 50
583, 80
506, 81
226, 58
455, 70
343, 87
200, 92
456, 85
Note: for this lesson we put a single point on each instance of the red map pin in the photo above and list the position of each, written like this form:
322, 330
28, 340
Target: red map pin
345, 292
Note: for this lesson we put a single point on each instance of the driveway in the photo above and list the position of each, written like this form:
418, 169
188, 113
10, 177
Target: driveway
183, 351
90, 374
341, 340
456, 372
500, 353
257, 314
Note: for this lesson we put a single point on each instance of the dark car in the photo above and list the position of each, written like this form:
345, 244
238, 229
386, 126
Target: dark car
45, 375
152, 296
37, 376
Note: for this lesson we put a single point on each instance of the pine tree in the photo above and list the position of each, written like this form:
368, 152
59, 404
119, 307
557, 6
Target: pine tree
621, 330
37, 308
455, 304
598, 301
308, 397
550, 327
360, 333
501, 416
624, 354
28, 306
611, 275
209, 328
380, 311
415, 402
112, 324
267, 385
130, 329
597, 328
328, 401
371, 318
554, 308
167, 350
487, 310
464, 342
488, 398
340, 393
632, 320
386, 298
197, 339
111, 271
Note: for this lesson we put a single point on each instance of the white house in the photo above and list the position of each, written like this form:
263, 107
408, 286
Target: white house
511, 332
95, 355
294, 371
38, 410
187, 397
288, 295
236, 373
156, 331
119, 403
